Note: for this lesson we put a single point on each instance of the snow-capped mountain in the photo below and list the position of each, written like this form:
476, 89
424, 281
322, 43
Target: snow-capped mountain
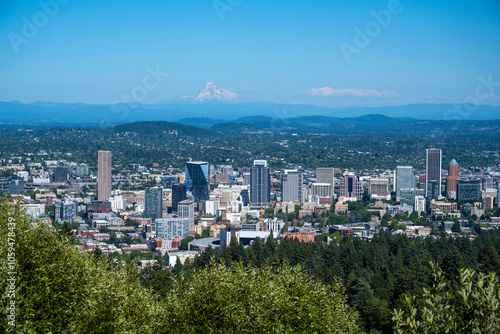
212, 93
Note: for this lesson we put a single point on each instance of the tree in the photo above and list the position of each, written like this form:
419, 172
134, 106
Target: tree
66, 229
475, 309
491, 261
185, 243
239, 300
130, 222
206, 233
53, 288
456, 227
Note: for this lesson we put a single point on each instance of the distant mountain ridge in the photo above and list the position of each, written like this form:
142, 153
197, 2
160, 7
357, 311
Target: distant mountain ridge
214, 105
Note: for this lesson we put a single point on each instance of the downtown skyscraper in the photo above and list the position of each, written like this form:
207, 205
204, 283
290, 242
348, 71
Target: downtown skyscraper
197, 180
291, 186
351, 187
153, 203
103, 175
451, 180
260, 182
433, 168
325, 175
404, 179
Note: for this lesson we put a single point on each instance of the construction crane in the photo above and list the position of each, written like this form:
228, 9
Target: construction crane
262, 212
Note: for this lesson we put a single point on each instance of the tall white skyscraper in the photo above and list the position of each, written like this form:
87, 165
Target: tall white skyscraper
291, 185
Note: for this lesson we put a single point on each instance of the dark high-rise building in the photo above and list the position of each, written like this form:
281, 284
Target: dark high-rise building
245, 198
498, 194
16, 187
433, 168
103, 175
260, 182
451, 180
153, 203
178, 195
432, 190
404, 179
351, 187
468, 190
60, 174
197, 180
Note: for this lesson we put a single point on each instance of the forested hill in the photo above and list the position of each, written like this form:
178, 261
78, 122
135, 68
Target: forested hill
168, 143
160, 127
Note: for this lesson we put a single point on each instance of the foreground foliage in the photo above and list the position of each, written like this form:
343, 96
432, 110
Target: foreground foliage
257, 300
474, 309
60, 288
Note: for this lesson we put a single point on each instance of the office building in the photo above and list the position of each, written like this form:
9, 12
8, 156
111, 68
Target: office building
433, 189
65, 210
468, 190
82, 170
433, 169
488, 202
103, 175
322, 190
226, 235
379, 188
60, 174
178, 195
407, 195
325, 175
168, 180
404, 178
170, 228
260, 183
153, 203
420, 204
16, 187
351, 187
197, 180
186, 210
498, 194
291, 186
451, 180
244, 197
487, 182
246, 178
442, 208
211, 207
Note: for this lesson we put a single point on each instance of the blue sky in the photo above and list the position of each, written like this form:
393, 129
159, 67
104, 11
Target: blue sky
281, 51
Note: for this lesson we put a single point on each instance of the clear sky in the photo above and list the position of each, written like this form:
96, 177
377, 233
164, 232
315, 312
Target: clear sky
313, 52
